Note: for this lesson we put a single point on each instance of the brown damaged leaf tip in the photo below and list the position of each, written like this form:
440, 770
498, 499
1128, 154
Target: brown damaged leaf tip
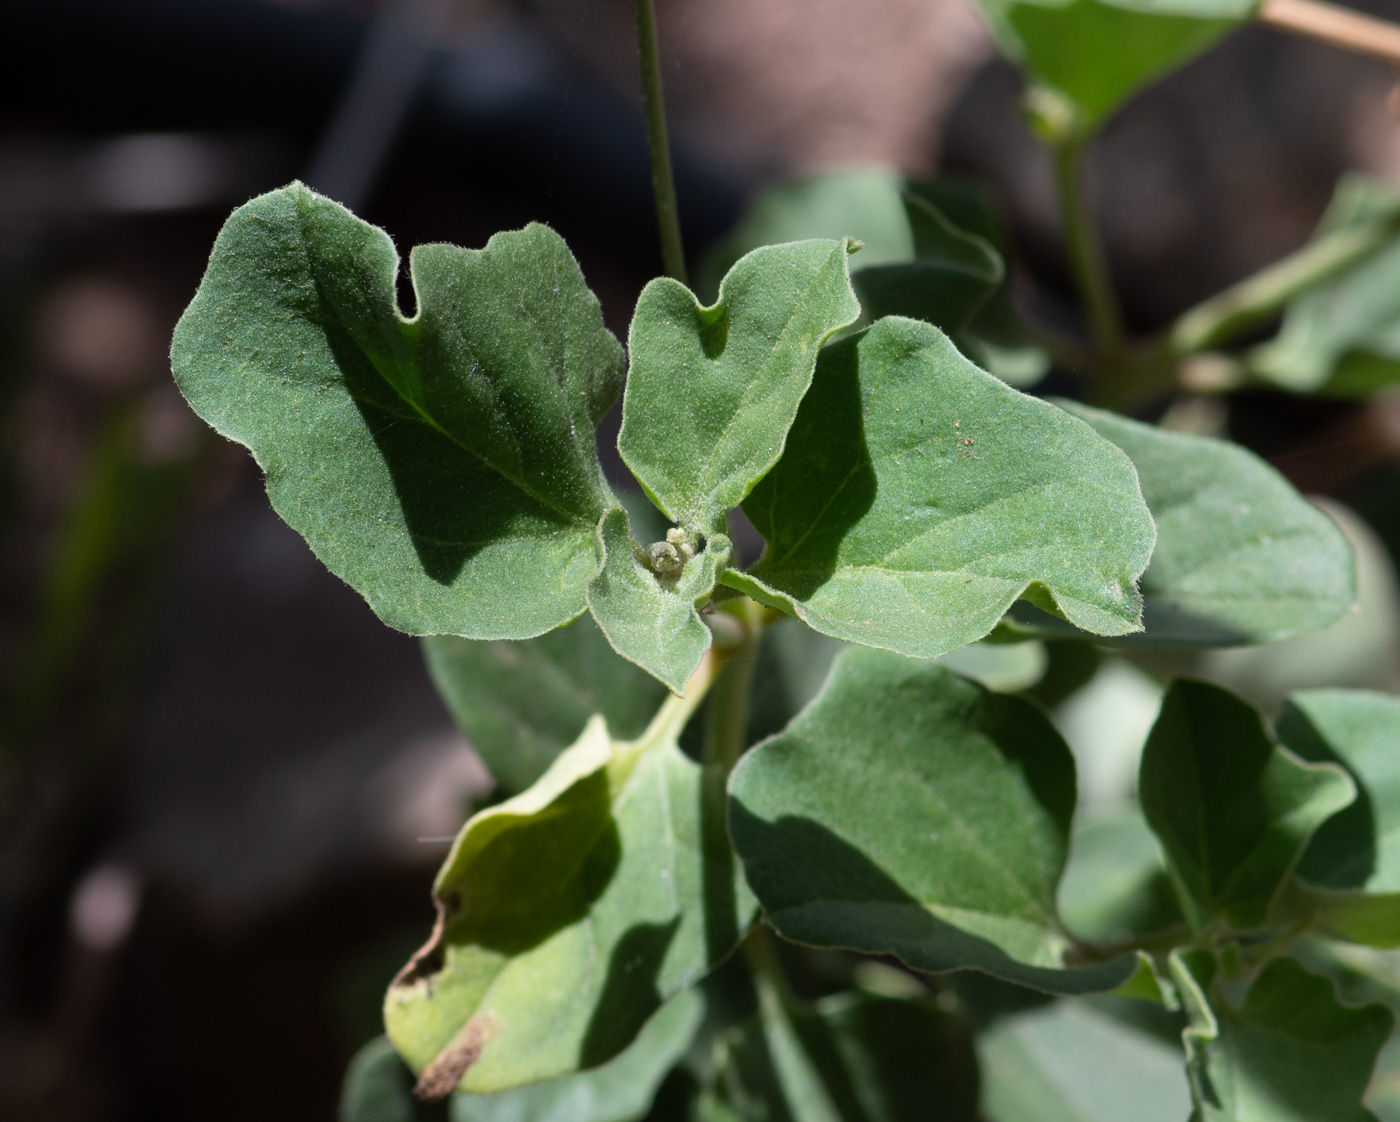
441, 1076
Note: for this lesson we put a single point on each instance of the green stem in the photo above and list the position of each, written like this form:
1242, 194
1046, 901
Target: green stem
1086, 255
663, 184
1247, 304
775, 995
726, 731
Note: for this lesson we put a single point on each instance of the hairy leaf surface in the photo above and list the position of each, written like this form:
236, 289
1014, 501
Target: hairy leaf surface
567, 915
651, 621
1355, 855
1241, 556
919, 497
443, 466
911, 812
620, 1091
712, 392
1290, 1053
1232, 810
522, 703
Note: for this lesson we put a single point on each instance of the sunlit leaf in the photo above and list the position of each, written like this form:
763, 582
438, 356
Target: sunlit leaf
1097, 53
567, 915
911, 812
444, 465
712, 391
1241, 556
620, 1091
919, 497
1289, 1053
1232, 810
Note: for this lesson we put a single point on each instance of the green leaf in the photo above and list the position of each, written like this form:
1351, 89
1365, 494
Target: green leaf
861, 203
712, 392
1097, 53
568, 914
1290, 1053
1356, 853
1241, 556
619, 1091
911, 812
1115, 887
444, 465
1069, 1062
851, 1058
953, 273
378, 1087
919, 497
1233, 811
1343, 336
522, 703
649, 619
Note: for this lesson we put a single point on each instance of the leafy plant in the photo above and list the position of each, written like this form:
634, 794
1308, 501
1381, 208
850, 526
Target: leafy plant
911, 503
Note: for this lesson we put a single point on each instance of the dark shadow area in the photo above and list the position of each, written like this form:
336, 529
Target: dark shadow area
824, 482
1343, 852
629, 994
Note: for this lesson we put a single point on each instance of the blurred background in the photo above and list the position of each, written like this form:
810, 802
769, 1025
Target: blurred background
224, 785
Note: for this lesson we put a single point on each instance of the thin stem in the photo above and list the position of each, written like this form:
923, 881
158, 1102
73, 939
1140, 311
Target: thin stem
1256, 298
663, 184
726, 731
761, 955
1086, 255
1329, 23
676, 710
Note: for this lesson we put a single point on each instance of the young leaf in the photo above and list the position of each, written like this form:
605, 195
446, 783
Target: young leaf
621, 1090
953, 273
919, 497
1343, 337
1068, 1062
521, 704
712, 392
1232, 810
648, 619
567, 915
1098, 52
1290, 1053
1241, 557
851, 1058
911, 812
444, 465
1355, 855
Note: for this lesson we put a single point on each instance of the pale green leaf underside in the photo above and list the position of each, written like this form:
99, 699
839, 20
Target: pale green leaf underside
1232, 810
522, 703
1290, 1053
652, 622
570, 913
919, 497
1343, 337
621, 1090
1356, 853
1241, 556
850, 1058
711, 392
1098, 53
443, 466
1068, 1062
909, 811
